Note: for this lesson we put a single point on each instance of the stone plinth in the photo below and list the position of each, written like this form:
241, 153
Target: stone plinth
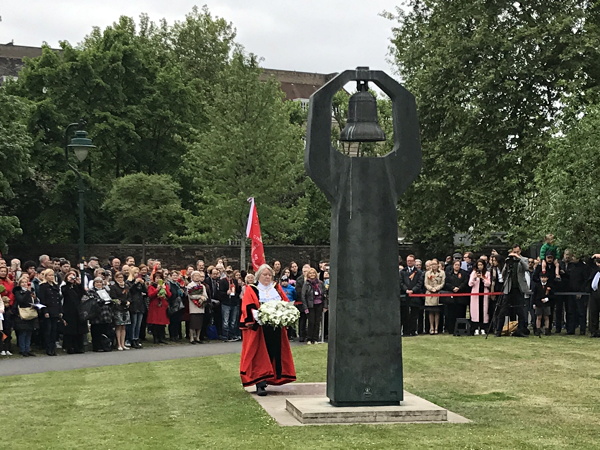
315, 410
300, 404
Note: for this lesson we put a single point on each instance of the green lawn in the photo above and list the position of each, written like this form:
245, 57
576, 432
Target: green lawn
519, 393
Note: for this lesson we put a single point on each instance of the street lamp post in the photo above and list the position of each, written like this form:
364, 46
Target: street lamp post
81, 145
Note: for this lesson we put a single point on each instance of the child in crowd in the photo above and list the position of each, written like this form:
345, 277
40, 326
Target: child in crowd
289, 290
550, 247
541, 304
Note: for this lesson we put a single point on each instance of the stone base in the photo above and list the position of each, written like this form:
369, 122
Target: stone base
306, 404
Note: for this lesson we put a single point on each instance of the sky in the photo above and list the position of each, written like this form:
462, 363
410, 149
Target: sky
322, 36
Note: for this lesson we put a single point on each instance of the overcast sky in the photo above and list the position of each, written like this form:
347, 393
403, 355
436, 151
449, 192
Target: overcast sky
305, 35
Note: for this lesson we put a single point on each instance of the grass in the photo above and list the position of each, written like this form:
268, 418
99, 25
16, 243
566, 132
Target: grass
520, 393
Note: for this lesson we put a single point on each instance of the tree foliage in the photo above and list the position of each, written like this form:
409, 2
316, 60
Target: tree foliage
491, 79
567, 203
15, 149
145, 208
251, 149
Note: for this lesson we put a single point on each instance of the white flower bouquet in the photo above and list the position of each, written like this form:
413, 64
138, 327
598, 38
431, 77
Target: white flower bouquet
278, 314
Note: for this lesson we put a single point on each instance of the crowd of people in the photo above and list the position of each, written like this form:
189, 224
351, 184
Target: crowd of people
552, 292
50, 304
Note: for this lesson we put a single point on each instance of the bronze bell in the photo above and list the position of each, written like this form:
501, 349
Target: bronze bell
362, 125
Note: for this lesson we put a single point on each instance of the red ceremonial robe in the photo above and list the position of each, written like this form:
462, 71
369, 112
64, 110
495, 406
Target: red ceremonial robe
266, 354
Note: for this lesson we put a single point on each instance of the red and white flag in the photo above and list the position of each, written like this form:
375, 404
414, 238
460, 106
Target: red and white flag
253, 232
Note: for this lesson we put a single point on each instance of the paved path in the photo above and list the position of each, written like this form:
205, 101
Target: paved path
17, 365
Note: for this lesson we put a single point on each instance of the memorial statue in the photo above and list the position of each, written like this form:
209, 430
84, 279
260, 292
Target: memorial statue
365, 351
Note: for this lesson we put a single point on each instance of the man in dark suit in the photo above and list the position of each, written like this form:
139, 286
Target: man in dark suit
411, 282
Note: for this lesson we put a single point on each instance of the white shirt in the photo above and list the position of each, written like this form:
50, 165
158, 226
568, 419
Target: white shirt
595, 281
267, 293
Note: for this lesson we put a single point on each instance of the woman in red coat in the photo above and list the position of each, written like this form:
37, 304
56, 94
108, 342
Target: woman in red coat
158, 293
266, 355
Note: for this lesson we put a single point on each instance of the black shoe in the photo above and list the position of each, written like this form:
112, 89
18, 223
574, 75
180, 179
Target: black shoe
301, 340
30, 354
548, 332
261, 389
498, 334
518, 334
163, 342
537, 332
193, 342
24, 354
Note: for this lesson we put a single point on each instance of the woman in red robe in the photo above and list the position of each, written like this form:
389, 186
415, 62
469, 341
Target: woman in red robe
266, 355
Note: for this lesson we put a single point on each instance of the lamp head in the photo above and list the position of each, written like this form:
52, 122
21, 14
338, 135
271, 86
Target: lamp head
81, 145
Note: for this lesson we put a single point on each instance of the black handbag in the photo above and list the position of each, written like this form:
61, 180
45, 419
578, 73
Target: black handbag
175, 306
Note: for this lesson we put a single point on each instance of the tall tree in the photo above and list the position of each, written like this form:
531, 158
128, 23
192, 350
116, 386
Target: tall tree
250, 150
133, 83
568, 178
15, 149
490, 80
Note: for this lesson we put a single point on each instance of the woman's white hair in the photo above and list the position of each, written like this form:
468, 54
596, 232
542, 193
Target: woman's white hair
261, 269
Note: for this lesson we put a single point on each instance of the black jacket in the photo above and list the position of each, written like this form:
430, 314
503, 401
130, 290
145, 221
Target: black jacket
120, 293
72, 295
225, 298
578, 274
137, 293
414, 282
23, 299
49, 296
539, 292
308, 294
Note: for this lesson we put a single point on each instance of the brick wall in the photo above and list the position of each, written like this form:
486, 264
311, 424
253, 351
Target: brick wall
180, 256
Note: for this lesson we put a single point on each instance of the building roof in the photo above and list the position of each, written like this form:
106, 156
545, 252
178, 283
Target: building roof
298, 85
295, 85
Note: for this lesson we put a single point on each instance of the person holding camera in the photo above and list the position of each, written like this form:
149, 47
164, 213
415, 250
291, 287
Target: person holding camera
75, 328
456, 282
515, 289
